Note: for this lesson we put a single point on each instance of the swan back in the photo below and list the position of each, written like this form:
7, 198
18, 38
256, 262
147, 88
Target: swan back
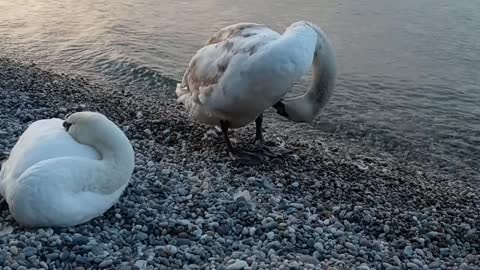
43, 140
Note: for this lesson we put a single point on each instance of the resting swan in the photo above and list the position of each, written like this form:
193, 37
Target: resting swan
246, 68
64, 173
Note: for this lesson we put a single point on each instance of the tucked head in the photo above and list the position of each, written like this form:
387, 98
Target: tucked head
91, 128
297, 110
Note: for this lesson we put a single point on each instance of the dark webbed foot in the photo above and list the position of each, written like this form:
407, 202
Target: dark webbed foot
261, 151
247, 158
243, 157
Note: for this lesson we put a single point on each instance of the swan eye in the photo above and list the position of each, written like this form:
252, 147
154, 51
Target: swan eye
66, 125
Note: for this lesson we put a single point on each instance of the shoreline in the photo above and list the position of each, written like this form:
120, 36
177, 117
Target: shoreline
323, 205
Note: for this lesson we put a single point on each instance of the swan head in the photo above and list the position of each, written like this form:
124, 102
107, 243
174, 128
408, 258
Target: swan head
92, 128
296, 109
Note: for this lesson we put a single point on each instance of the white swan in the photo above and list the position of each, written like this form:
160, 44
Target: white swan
64, 173
246, 68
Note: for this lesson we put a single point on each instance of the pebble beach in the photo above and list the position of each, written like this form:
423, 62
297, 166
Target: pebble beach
190, 206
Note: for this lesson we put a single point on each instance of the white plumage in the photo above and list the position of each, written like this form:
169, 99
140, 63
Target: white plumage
59, 178
246, 68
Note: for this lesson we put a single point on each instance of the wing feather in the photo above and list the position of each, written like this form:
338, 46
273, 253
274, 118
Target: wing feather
210, 63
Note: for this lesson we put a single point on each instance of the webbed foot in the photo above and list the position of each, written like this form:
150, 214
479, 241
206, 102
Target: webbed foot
248, 158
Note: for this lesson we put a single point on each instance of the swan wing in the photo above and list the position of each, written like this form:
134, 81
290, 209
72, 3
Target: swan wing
210, 65
43, 140
60, 192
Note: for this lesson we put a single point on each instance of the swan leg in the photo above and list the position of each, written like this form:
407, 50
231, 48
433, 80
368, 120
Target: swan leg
244, 157
260, 147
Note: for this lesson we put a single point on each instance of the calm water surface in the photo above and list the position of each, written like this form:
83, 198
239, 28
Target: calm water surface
409, 70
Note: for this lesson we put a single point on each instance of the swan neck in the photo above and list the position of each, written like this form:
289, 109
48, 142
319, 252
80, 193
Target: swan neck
306, 107
324, 76
117, 163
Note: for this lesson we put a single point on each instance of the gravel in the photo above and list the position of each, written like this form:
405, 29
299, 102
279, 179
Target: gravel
189, 206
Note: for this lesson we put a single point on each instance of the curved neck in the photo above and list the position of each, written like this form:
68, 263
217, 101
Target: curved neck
116, 164
324, 72
306, 107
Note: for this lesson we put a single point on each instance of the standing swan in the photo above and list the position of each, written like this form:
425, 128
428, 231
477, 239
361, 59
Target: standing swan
247, 68
64, 173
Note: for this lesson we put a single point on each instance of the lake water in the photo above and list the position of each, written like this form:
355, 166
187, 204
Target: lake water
409, 70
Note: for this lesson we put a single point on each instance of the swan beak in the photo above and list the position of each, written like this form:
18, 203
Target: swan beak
280, 107
66, 125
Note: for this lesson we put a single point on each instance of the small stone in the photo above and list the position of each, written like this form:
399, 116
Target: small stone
417, 262
319, 247
141, 236
44, 265
170, 250
420, 252
52, 256
270, 235
183, 191
294, 265
274, 245
6, 229
29, 251
392, 267
97, 250
14, 250
408, 251
464, 266
411, 265
295, 184
365, 243
142, 264
80, 240
297, 205
183, 242
105, 263
166, 172
309, 259
269, 225
237, 265
351, 246
242, 195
